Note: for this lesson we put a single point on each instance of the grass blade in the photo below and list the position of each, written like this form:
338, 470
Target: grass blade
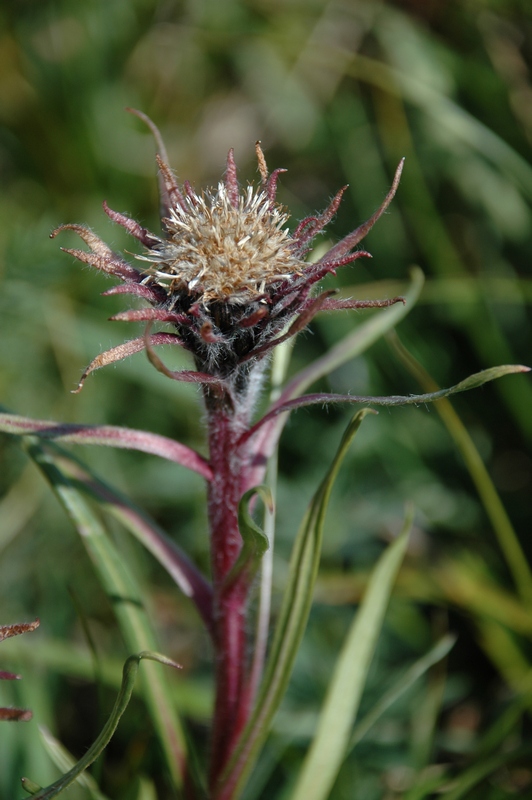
502, 526
126, 599
167, 552
331, 742
422, 665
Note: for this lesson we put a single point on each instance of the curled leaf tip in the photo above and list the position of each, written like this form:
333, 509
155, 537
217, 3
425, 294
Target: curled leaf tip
30, 786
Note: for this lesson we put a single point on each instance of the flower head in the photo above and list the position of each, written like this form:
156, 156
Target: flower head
227, 273
223, 253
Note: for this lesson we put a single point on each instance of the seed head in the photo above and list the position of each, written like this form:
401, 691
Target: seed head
227, 274
222, 253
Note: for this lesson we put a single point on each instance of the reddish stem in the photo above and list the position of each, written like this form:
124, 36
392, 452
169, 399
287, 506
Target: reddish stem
228, 463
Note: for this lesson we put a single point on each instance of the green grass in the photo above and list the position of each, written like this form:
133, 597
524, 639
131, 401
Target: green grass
337, 93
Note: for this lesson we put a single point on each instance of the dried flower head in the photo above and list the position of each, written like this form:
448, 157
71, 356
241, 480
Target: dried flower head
225, 253
228, 274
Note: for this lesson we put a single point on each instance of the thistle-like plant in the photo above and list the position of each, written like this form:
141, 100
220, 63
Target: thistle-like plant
231, 279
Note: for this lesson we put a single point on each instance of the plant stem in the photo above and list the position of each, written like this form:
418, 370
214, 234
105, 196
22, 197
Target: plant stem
228, 462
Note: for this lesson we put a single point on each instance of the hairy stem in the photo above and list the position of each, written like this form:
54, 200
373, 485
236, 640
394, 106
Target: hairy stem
228, 462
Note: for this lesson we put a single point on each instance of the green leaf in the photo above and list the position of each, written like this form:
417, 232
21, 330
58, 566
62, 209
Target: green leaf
134, 519
291, 624
481, 770
128, 679
422, 665
125, 596
65, 761
331, 741
254, 540
495, 510
325, 398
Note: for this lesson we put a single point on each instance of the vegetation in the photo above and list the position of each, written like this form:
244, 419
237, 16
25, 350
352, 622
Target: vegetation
337, 92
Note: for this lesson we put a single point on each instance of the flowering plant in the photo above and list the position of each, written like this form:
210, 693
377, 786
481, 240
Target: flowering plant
232, 281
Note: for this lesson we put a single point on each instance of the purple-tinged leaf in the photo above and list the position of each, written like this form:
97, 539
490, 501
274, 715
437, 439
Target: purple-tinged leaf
352, 303
7, 631
8, 676
153, 294
171, 196
101, 256
188, 376
168, 187
124, 350
254, 317
144, 236
347, 348
301, 322
150, 315
15, 715
161, 149
309, 227
231, 180
355, 342
178, 565
324, 398
271, 184
315, 272
352, 239
110, 436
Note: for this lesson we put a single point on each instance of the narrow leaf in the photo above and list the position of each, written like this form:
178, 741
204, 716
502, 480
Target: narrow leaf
254, 540
109, 435
167, 552
324, 398
291, 624
280, 361
130, 671
495, 510
123, 350
356, 342
65, 761
125, 596
331, 742
416, 671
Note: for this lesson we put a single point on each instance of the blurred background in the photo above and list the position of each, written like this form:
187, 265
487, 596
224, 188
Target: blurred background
337, 91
